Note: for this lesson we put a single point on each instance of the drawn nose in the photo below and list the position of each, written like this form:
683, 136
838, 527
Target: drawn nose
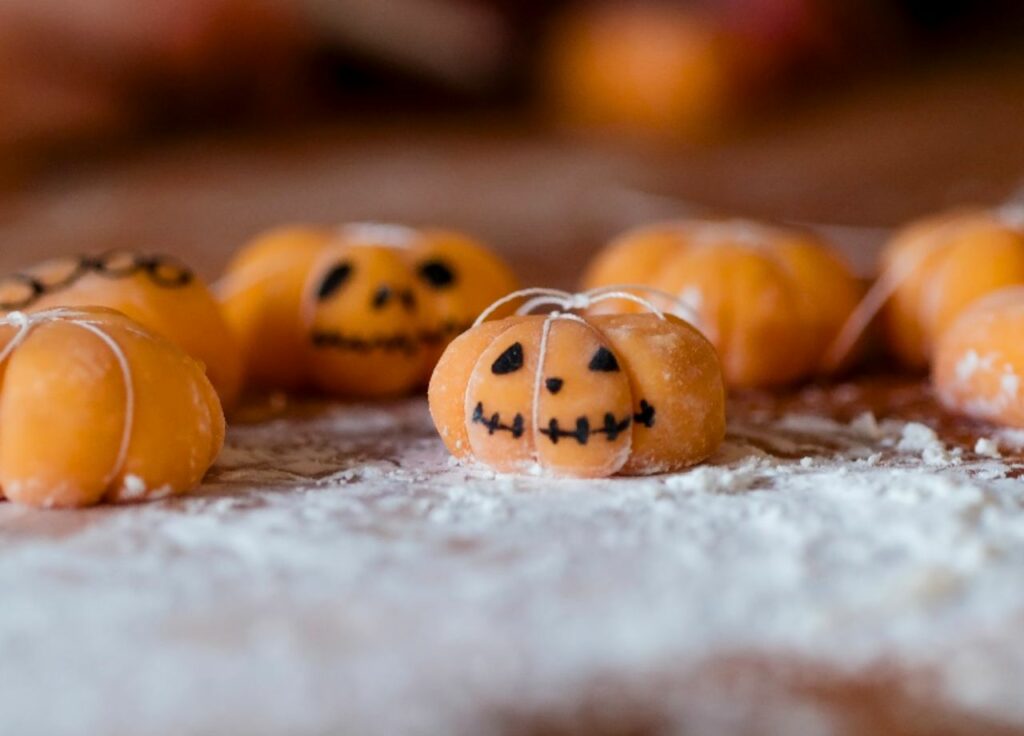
382, 296
386, 294
554, 385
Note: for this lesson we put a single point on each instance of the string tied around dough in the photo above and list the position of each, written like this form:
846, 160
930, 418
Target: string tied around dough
1010, 213
26, 323
542, 353
536, 298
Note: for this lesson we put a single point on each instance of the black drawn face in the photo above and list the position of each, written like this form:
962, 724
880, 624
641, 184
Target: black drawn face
581, 400
365, 302
437, 274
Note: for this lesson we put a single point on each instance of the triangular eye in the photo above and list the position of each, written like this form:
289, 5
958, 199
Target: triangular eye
334, 280
604, 361
510, 361
437, 273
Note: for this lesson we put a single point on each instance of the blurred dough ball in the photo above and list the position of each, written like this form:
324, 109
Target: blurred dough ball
642, 69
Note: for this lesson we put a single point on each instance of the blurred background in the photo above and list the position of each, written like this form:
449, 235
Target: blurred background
539, 124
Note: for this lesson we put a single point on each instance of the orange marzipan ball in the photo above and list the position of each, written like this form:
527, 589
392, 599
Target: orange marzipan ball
156, 291
94, 407
771, 300
641, 69
362, 310
628, 394
939, 266
979, 359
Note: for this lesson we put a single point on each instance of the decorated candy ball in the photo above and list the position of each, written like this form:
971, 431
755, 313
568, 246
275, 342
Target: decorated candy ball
361, 310
156, 291
979, 359
94, 407
933, 269
565, 394
771, 300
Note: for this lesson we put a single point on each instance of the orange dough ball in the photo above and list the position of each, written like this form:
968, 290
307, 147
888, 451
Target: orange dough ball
642, 69
362, 310
630, 394
937, 267
979, 359
771, 300
94, 407
156, 291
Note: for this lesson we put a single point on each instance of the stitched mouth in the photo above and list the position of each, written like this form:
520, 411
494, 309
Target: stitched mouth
494, 424
407, 343
611, 427
397, 343
444, 333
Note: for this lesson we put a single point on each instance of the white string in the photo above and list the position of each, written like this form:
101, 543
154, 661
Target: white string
129, 397
542, 354
541, 297
520, 294
626, 296
539, 378
379, 234
26, 323
549, 301
880, 293
572, 318
681, 307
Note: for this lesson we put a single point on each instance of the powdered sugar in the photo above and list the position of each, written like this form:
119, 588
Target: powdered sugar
987, 447
340, 574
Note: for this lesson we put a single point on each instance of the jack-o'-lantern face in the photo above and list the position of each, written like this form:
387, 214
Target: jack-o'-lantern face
382, 302
366, 321
561, 396
579, 395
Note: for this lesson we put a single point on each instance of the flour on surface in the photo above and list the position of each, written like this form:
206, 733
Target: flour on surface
338, 573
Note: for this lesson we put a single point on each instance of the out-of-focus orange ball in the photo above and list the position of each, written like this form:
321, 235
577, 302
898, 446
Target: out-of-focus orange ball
939, 266
979, 359
771, 300
364, 310
643, 69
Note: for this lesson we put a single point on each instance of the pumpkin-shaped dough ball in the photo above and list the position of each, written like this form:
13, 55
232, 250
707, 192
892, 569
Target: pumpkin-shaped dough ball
362, 310
156, 291
564, 395
979, 359
771, 300
937, 267
94, 407
642, 69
